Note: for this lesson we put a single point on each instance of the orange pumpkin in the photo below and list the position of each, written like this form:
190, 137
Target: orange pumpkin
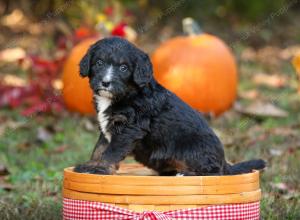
77, 93
296, 63
199, 68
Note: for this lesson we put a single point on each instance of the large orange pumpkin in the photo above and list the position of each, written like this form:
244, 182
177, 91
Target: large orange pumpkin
199, 68
77, 93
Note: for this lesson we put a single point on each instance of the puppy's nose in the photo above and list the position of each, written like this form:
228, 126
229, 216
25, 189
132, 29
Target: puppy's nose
105, 84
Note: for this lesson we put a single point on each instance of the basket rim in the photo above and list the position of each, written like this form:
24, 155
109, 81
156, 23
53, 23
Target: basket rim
70, 175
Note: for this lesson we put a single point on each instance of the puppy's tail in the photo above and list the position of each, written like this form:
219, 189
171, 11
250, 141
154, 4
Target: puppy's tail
246, 167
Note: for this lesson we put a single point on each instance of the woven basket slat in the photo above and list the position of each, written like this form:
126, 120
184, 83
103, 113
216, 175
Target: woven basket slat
244, 197
160, 190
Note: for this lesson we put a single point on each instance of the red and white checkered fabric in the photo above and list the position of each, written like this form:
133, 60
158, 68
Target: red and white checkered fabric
80, 209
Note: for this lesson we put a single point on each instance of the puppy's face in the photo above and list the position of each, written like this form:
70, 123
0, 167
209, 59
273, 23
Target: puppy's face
115, 68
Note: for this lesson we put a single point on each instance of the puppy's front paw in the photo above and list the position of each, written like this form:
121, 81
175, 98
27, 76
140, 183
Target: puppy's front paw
92, 168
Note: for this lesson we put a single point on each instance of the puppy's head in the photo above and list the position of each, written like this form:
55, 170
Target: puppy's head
116, 67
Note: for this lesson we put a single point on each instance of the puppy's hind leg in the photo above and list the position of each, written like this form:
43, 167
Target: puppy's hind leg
164, 168
173, 167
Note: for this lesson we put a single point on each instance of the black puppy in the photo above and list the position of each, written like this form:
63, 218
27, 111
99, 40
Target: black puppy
138, 116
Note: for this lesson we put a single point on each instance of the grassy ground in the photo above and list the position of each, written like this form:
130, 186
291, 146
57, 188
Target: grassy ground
36, 166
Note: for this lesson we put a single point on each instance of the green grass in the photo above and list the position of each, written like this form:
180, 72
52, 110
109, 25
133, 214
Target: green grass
36, 167
36, 170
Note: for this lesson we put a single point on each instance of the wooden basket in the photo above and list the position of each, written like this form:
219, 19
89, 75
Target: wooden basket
139, 193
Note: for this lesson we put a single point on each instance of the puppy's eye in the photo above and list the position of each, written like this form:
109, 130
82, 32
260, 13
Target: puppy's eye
99, 63
123, 68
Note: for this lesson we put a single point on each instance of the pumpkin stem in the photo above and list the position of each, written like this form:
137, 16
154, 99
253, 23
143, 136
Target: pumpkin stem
191, 27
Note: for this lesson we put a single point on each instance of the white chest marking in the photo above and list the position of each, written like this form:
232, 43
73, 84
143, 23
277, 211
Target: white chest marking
102, 104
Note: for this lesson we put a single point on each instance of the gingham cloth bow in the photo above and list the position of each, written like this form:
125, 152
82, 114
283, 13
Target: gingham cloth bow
113, 212
88, 210
151, 216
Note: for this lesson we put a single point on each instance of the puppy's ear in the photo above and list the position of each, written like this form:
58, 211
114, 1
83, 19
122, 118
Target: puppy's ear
84, 65
143, 72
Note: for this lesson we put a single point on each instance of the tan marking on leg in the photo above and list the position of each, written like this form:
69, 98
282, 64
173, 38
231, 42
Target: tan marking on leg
97, 154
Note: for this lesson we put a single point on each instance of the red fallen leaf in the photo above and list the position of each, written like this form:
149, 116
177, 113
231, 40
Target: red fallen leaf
108, 10
128, 13
62, 42
37, 108
51, 104
43, 66
32, 100
119, 30
60, 149
10, 97
38, 94
83, 32
57, 107
14, 96
291, 150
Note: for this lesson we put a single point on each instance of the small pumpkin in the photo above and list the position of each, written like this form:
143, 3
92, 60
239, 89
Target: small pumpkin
77, 93
199, 68
296, 63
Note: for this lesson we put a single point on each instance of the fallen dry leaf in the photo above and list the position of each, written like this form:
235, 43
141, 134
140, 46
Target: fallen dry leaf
9, 126
3, 170
4, 184
282, 187
284, 131
12, 54
289, 52
11, 19
248, 54
274, 80
13, 80
261, 109
60, 149
269, 55
3, 174
249, 94
24, 145
43, 134
276, 152
291, 195
57, 84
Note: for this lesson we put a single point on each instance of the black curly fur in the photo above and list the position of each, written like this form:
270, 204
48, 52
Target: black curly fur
150, 122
